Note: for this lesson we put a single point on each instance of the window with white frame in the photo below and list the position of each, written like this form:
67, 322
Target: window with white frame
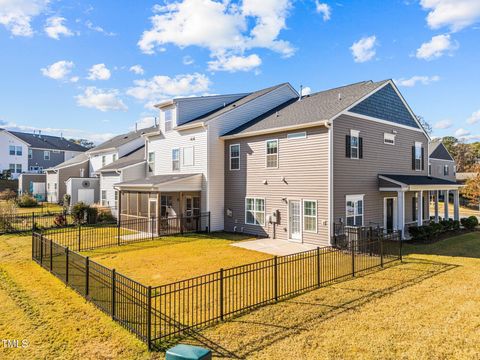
19, 169
429, 169
168, 114
104, 198
445, 170
255, 211
175, 159
82, 173
114, 157
151, 162
19, 150
389, 138
11, 167
116, 199
188, 156
418, 156
30, 153
104, 160
46, 155
297, 135
272, 153
354, 144
11, 150
354, 210
235, 157
310, 216
454, 170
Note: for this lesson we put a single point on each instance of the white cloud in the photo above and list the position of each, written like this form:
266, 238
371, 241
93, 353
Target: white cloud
443, 124
58, 70
54, 27
188, 60
103, 100
137, 69
411, 82
74, 79
161, 87
323, 9
235, 63
436, 47
474, 118
364, 49
306, 90
231, 28
461, 132
16, 15
456, 14
99, 72
97, 28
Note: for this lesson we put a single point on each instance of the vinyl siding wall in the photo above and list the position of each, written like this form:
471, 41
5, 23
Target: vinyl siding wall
360, 176
303, 163
437, 169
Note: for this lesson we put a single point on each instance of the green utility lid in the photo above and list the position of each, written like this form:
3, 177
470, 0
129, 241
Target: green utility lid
188, 352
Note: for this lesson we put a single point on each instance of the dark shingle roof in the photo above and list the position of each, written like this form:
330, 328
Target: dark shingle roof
243, 100
314, 107
418, 180
439, 151
135, 157
80, 158
122, 139
48, 141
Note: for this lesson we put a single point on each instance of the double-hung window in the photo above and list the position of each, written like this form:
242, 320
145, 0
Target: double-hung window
116, 199
151, 162
418, 150
11, 167
310, 216
354, 210
354, 145
104, 160
11, 150
168, 115
445, 170
30, 153
104, 198
46, 155
114, 157
255, 211
175, 159
19, 150
235, 157
272, 153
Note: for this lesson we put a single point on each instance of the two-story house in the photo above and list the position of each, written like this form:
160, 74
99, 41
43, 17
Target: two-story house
32, 153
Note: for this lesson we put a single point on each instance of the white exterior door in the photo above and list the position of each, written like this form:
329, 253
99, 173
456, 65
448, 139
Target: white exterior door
86, 196
295, 220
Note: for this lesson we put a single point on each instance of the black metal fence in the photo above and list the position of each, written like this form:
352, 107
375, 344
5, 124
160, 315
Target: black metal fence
16, 223
162, 313
125, 231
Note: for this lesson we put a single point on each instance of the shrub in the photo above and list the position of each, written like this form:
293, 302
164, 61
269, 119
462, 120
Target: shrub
60, 220
66, 200
92, 215
26, 201
8, 195
469, 223
79, 212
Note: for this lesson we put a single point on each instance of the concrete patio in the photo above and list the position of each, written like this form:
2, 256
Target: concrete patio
275, 247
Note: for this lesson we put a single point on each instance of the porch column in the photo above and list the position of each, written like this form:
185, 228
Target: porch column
401, 212
437, 193
420, 208
445, 204
456, 205
119, 210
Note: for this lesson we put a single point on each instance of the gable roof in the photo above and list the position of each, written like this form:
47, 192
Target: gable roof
47, 141
120, 140
320, 106
228, 107
439, 151
76, 160
135, 157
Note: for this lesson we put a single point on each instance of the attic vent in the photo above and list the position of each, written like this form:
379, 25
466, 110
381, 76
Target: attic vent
125, 137
339, 96
86, 184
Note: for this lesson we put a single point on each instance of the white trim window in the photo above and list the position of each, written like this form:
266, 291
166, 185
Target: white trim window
354, 210
151, 162
19, 169
255, 211
11, 150
354, 144
446, 170
235, 157
46, 155
114, 157
168, 116
104, 201
176, 159
188, 156
116, 199
19, 150
104, 160
429, 169
389, 138
310, 216
297, 135
30, 153
418, 156
271, 152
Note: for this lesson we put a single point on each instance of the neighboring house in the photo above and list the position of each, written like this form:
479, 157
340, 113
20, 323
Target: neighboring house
33, 184
84, 190
57, 176
185, 154
130, 167
32, 153
441, 164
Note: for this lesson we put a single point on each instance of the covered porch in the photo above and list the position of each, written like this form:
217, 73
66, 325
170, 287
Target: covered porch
163, 204
407, 200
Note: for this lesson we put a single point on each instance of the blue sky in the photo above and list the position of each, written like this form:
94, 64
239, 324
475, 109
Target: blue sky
93, 69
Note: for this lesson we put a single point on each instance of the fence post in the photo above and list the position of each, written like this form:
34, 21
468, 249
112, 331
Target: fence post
33, 221
33, 245
152, 227
149, 318
87, 275
221, 294
118, 231
66, 265
381, 250
275, 272
400, 250
79, 237
41, 250
113, 293
319, 278
181, 224
209, 222
353, 256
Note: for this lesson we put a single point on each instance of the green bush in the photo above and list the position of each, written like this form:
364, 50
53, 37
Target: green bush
469, 223
27, 201
79, 212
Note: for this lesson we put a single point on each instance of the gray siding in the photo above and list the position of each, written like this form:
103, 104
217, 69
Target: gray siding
304, 165
360, 176
437, 169
38, 159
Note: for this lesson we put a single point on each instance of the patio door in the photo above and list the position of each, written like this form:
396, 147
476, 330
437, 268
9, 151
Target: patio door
390, 214
152, 216
295, 220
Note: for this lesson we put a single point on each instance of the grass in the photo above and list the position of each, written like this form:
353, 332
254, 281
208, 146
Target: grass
43, 208
464, 211
175, 258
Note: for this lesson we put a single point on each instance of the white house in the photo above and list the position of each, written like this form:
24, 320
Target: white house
14, 154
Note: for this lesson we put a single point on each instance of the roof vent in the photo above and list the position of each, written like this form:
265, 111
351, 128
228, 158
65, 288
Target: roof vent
339, 96
301, 93
277, 114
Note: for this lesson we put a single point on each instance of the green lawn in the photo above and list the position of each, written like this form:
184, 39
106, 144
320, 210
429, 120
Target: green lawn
42, 208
